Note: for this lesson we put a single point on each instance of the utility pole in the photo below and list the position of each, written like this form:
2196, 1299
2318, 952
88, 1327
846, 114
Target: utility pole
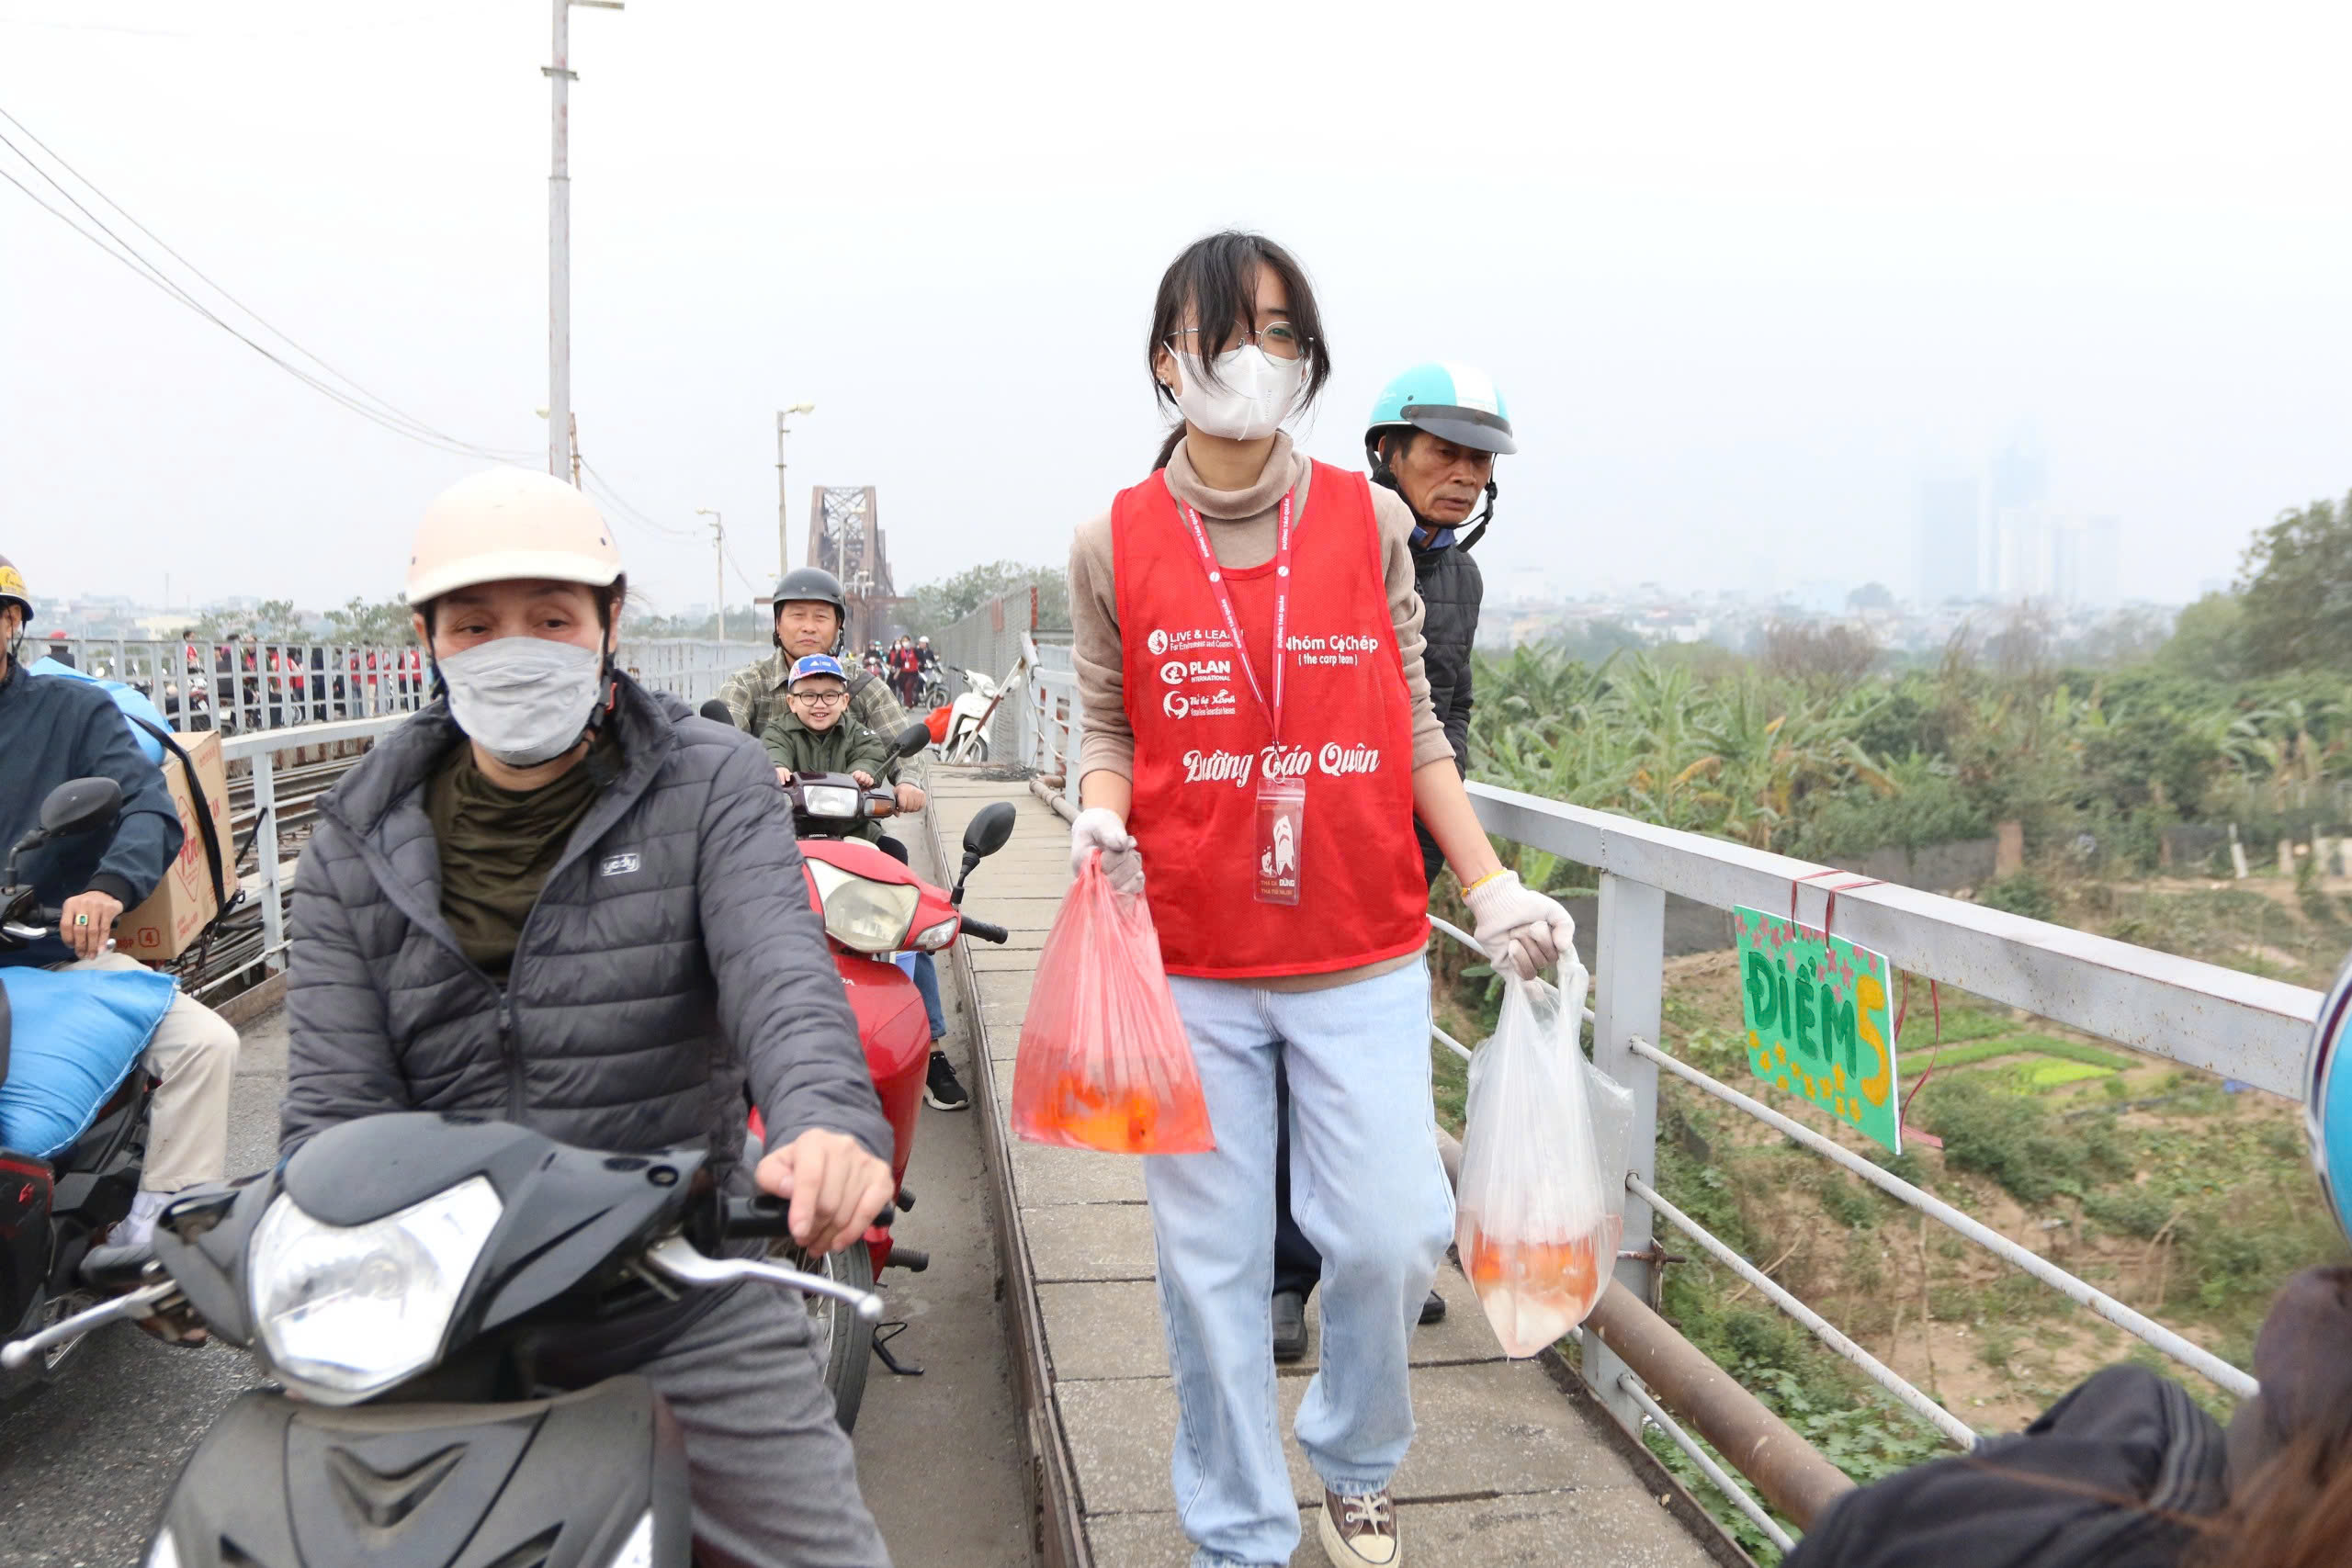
718, 560
560, 77
783, 498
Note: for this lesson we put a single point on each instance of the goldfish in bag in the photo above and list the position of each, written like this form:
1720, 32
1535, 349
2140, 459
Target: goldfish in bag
1541, 1203
1103, 1062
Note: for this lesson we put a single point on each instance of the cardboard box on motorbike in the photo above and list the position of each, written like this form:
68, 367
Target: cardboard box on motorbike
184, 903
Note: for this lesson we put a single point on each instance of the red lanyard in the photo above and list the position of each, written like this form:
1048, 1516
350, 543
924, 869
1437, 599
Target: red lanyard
1233, 622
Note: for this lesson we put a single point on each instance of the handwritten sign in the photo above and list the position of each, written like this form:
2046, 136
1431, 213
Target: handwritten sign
1819, 1023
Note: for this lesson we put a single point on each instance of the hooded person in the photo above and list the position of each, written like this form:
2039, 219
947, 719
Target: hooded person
556, 898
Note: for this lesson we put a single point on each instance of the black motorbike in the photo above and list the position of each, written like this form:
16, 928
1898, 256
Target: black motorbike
400, 1275
54, 1208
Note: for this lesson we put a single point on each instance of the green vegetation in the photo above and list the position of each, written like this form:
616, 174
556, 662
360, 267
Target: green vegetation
2128, 783
932, 605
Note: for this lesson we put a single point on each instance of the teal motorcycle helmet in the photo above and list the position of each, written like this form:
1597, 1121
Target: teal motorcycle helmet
2327, 1099
1453, 403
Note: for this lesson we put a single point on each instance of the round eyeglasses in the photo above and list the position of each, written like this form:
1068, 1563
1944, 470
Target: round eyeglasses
1278, 340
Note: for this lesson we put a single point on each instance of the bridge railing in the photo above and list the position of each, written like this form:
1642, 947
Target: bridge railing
305, 755
240, 686
1055, 717
2216, 1020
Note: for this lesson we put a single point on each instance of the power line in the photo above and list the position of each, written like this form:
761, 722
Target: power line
358, 399
603, 489
744, 577
386, 404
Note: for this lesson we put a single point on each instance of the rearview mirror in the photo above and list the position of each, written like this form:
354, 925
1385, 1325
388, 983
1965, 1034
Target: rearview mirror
989, 830
911, 740
80, 806
717, 712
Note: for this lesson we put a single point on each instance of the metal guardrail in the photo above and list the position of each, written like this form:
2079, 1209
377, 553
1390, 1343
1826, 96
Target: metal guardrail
260, 753
685, 669
1055, 717
2200, 1015
2218, 1020
240, 686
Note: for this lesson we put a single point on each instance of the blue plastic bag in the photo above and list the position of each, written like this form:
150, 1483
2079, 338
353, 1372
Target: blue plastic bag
74, 1037
129, 699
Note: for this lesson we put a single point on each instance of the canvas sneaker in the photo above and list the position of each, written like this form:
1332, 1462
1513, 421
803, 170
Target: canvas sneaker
1360, 1531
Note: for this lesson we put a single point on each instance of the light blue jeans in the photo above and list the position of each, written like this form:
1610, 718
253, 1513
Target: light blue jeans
1370, 1192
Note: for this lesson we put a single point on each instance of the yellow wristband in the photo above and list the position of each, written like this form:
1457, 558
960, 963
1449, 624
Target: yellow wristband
1503, 871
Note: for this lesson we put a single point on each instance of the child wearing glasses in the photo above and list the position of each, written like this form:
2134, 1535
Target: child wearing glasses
817, 735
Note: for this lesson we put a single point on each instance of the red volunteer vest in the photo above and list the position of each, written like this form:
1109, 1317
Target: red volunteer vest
1202, 742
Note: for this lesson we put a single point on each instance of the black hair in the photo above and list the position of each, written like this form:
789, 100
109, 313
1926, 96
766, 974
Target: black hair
1216, 277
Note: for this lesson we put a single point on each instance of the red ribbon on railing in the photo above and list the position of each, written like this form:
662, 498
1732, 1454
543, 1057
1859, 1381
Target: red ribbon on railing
1935, 999
1829, 910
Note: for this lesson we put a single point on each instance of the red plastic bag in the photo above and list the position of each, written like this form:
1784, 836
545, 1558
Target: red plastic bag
1104, 1060
936, 722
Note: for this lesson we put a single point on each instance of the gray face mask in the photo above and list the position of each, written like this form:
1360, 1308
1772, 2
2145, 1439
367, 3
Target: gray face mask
524, 700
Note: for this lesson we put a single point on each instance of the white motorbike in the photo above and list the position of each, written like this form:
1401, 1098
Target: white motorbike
969, 715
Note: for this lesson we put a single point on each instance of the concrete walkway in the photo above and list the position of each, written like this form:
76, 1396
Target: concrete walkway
1506, 1468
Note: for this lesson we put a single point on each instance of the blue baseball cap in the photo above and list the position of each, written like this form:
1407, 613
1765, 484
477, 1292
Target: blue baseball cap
818, 664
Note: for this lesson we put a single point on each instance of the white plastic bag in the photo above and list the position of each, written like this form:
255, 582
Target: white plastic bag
1541, 1198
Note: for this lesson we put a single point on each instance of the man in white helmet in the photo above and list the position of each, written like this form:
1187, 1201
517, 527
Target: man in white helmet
557, 898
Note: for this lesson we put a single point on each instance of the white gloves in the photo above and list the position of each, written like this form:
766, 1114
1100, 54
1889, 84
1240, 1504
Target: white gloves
1522, 933
1096, 829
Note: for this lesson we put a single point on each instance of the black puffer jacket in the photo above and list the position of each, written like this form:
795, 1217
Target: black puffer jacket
1451, 588
2111, 1476
672, 956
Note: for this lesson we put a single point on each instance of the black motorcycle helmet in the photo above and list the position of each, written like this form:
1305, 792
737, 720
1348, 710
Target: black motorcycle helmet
812, 584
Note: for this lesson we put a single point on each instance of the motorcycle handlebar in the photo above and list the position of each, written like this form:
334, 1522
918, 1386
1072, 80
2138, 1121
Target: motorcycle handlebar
24, 932
986, 932
766, 1215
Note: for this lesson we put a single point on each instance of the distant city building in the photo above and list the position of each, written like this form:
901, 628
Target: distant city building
2017, 548
2023, 565
1950, 547
2087, 562
2055, 558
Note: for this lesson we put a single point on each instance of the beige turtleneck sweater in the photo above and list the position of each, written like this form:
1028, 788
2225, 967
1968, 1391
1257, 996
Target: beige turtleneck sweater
1241, 531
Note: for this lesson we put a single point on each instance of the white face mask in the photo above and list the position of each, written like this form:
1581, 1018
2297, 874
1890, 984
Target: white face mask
524, 700
1255, 399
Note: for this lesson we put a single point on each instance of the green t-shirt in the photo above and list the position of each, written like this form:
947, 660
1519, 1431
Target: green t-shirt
498, 845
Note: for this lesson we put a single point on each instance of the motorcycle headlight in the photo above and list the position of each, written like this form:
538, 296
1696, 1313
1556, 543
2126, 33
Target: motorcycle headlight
932, 938
870, 917
637, 1552
347, 1311
829, 800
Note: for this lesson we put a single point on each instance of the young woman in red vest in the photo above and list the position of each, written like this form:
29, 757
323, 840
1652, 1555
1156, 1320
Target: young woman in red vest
1258, 735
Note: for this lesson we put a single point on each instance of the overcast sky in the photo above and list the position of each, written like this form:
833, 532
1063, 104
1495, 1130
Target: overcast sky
1746, 274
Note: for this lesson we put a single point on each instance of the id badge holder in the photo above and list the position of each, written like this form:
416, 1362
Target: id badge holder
1281, 835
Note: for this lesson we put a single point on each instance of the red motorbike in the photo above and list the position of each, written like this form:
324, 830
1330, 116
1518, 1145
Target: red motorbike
875, 909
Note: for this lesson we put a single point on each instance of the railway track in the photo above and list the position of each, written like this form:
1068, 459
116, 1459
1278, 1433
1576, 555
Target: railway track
230, 960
